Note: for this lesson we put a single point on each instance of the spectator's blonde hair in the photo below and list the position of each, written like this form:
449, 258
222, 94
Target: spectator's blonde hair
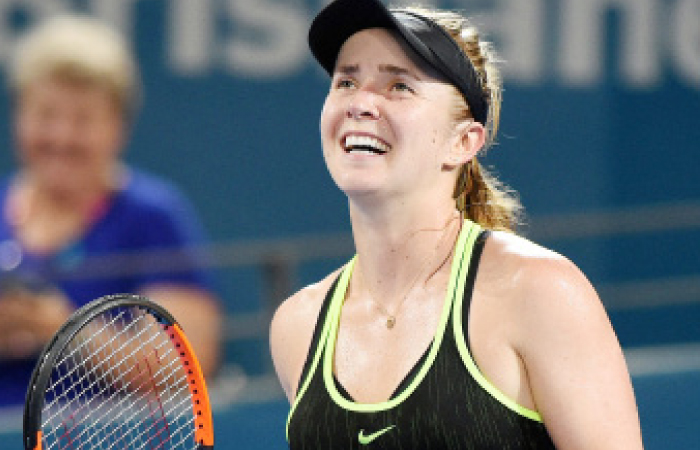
479, 195
77, 49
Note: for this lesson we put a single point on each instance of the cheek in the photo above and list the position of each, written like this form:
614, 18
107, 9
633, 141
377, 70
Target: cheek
102, 138
23, 137
323, 122
24, 127
331, 116
29, 140
425, 131
107, 136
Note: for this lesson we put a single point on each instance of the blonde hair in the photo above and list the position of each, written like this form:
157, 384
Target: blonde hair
479, 195
77, 49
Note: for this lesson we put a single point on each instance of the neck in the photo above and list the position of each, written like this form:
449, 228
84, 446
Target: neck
397, 252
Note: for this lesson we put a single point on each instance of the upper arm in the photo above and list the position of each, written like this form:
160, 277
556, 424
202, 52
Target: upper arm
291, 332
576, 369
284, 352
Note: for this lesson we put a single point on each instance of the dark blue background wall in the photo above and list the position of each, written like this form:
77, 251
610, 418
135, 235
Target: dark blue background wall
600, 119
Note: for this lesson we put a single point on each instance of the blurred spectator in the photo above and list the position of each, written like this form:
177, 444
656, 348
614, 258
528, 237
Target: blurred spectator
73, 206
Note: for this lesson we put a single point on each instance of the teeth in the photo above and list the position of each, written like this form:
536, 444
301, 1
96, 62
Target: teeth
362, 151
365, 143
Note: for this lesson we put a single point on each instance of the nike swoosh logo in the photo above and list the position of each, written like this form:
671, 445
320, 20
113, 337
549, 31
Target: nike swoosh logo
366, 439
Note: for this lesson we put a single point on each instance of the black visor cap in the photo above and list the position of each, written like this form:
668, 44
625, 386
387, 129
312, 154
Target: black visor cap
343, 18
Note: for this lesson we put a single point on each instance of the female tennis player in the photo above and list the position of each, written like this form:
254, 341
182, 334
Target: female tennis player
447, 330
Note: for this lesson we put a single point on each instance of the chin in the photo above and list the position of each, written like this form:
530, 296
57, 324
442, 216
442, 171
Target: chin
357, 185
362, 193
62, 180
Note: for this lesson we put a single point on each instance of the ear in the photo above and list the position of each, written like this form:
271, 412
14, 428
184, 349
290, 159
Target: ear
469, 138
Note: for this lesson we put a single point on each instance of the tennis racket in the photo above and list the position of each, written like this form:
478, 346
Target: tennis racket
119, 374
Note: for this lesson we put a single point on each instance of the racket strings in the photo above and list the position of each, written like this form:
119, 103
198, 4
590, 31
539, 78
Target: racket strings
78, 383
152, 412
120, 384
134, 416
67, 362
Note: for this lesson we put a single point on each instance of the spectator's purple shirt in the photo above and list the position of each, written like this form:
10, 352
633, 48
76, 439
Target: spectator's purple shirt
149, 218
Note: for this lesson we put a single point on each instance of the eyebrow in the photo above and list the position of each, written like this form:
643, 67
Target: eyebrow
352, 69
395, 70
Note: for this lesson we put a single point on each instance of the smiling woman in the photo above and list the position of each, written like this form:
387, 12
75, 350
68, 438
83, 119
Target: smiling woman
446, 330
76, 92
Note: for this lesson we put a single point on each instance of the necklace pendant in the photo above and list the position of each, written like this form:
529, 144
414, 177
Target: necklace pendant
390, 322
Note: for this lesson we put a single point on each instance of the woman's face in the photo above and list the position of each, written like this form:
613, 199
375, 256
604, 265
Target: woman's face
69, 135
386, 125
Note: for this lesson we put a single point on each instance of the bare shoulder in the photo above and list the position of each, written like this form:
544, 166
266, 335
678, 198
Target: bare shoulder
292, 328
543, 296
533, 276
518, 249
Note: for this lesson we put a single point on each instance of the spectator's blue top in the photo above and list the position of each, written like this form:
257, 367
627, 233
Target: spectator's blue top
149, 219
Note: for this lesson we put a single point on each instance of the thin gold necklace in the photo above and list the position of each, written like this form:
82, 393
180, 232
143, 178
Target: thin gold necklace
391, 318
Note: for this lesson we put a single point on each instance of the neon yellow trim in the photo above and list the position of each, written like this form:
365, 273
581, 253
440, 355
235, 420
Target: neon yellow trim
471, 365
469, 232
339, 293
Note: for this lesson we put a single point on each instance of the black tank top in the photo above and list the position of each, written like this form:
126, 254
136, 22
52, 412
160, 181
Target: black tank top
443, 403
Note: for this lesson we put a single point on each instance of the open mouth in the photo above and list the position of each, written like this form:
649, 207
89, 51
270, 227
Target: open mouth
357, 144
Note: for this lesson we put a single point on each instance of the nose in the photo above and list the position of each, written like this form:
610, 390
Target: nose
60, 131
363, 106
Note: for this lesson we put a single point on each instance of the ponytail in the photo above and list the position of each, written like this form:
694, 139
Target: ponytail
479, 195
483, 199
